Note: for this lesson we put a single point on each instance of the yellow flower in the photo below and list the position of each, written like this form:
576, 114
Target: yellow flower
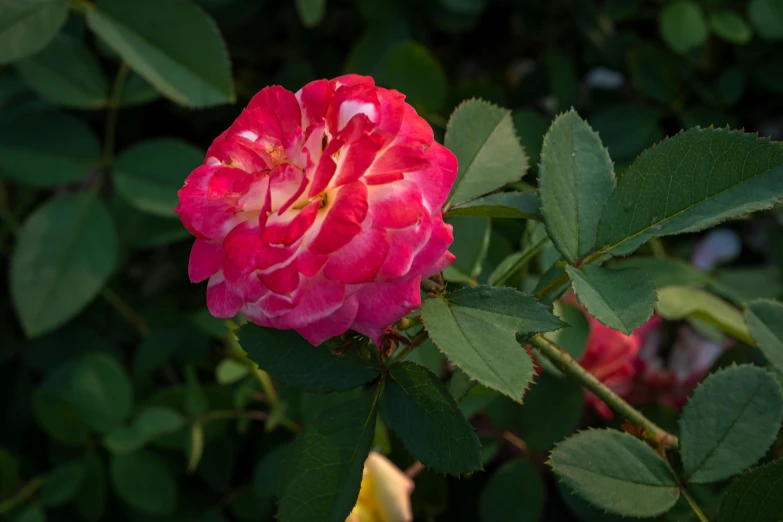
385, 495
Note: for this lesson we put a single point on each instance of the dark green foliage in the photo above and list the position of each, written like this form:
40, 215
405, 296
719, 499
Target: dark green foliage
122, 399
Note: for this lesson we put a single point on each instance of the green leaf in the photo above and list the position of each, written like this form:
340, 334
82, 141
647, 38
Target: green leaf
66, 73
620, 299
615, 472
144, 482
100, 391
474, 319
91, 499
682, 25
311, 12
327, 459
666, 271
514, 492
425, 417
62, 484
512, 205
27, 26
470, 246
690, 182
410, 68
678, 302
44, 149
289, 358
755, 496
149, 174
729, 422
575, 179
765, 322
767, 16
149, 424
67, 249
730, 26
182, 54
483, 138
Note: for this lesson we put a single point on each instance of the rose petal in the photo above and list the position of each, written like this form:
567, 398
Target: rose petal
206, 258
359, 260
343, 220
220, 300
335, 324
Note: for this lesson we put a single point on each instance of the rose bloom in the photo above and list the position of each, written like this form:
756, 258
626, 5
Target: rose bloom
321, 210
385, 495
632, 365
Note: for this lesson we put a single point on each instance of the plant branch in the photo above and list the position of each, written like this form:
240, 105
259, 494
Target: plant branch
551, 286
560, 358
418, 339
27, 491
694, 506
125, 310
526, 257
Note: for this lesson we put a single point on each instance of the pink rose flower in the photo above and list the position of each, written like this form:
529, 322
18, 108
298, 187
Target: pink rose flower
321, 210
613, 358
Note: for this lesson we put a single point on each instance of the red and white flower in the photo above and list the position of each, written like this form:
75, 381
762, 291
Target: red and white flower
321, 210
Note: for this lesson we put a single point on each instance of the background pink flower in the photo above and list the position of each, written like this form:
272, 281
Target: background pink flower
321, 210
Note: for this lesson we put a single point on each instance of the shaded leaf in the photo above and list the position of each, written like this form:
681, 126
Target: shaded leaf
325, 464
678, 302
620, 299
558, 400
54, 414
66, 73
27, 26
66, 251
682, 25
615, 472
100, 391
149, 174
690, 182
729, 422
470, 247
474, 319
311, 12
755, 496
289, 358
765, 322
767, 16
666, 271
730, 26
44, 149
182, 54
514, 205
425, 417
62, 484
483, 138
514, 492
144, 482
410, 68
91, 499
150, 423
575, 179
